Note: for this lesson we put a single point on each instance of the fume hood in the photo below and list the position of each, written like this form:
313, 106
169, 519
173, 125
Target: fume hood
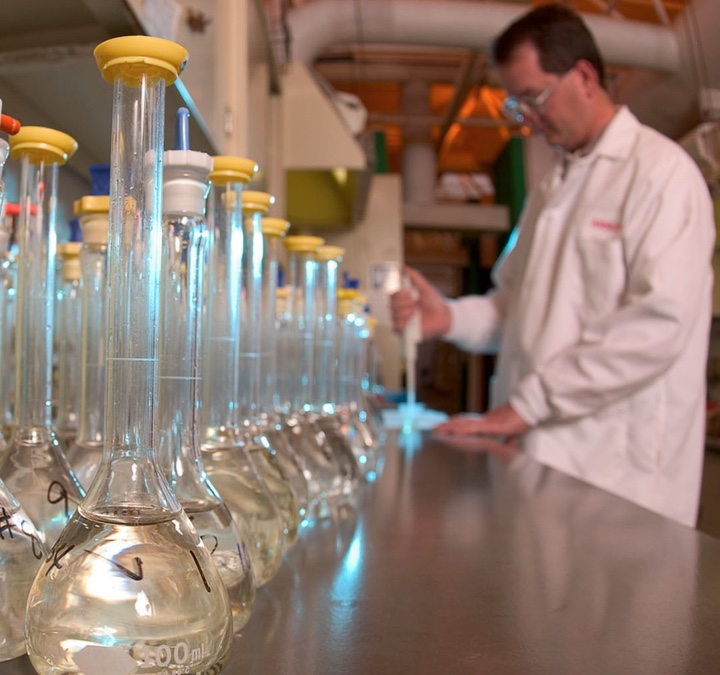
328, 167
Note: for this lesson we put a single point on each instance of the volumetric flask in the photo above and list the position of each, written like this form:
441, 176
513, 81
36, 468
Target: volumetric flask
129, 587
185, 188
281, 451
8, 287
353, 334
34, 467
326, 365
6, 284
255, 348
68, 343
85, 454
296, 358
224, 443
21, 553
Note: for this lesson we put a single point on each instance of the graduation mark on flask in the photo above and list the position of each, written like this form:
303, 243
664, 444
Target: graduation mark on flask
135, 576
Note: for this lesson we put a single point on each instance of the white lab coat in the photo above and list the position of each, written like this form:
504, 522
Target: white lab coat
604, 302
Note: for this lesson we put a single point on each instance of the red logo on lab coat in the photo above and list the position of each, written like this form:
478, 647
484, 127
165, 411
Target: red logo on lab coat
606, 225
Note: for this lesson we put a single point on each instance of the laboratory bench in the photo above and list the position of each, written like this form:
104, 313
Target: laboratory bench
462, 561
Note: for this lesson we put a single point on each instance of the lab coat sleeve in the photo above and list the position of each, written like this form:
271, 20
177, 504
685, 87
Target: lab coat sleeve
477, 320
668, 236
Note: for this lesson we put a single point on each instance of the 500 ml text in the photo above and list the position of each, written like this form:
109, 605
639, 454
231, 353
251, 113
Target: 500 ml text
180, 654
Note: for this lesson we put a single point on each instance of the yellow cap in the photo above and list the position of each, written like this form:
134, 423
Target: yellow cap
283, 292
91, 204
303, 244
256, 202
327, 252
344, 306
40, 144
346, 294
132, 56
232, 170
70, 254
275, 227
93, 211
70, 249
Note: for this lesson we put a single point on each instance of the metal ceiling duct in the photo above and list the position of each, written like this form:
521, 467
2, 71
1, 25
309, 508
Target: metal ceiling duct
451, 23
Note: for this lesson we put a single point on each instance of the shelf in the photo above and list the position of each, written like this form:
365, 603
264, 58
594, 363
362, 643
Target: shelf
48, 75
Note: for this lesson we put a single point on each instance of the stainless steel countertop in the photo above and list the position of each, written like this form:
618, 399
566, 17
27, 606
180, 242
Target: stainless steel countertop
460, 562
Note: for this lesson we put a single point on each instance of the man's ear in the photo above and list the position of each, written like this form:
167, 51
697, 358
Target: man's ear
588, 74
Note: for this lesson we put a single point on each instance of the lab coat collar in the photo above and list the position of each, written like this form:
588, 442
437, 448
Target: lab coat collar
616, 140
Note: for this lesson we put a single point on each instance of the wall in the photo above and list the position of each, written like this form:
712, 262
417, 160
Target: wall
228, 74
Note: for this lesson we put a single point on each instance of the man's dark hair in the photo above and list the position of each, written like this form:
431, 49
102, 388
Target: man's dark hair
559, 35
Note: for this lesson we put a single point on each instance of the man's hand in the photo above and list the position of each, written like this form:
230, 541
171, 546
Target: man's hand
502, 422
506, 451
434, 313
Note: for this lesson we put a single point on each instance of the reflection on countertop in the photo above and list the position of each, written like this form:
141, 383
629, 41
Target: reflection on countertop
470, 560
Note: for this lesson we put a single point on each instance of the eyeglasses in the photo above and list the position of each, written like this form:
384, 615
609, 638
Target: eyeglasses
517, 108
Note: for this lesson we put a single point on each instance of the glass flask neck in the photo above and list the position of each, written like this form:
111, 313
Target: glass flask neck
69, 358
251, 318
93, 261
303, 274
129, 486
7, 349
268, 398
35, 294
221, 328
184, 250
326, 336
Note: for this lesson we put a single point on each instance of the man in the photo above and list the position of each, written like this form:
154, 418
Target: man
601, 307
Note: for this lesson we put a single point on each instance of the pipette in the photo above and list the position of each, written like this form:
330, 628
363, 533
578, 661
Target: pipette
412, 335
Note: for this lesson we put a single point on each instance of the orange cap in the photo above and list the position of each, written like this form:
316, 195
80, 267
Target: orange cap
9, 124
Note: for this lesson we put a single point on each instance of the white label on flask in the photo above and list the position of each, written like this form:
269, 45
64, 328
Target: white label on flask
97, 660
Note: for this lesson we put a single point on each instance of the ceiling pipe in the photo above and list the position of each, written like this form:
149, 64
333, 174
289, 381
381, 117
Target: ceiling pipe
316, 26
671, 104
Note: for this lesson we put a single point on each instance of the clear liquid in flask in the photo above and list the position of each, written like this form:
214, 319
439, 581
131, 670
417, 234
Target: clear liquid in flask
290, 465
280, 488
226, 541
21, 554
36, 472
235, 479
128, 592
